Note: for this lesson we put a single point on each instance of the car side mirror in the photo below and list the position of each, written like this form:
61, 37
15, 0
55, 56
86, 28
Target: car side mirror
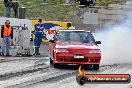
98, 42
52, 41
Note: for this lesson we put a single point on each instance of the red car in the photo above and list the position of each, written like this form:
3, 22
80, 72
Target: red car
74, 47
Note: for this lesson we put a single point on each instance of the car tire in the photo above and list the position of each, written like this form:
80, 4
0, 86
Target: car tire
56, 65
85, 67
0, 54
51, 61
96, 67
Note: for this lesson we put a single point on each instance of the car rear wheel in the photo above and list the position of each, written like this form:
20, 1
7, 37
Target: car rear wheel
96, 67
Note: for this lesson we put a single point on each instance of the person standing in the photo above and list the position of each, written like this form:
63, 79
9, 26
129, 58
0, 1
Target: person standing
7, 35
39, 33
8, 5
15, 6
67, 1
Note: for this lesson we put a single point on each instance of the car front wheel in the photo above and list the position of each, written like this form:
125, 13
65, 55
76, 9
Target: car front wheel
51, 61
55, 65
96, 67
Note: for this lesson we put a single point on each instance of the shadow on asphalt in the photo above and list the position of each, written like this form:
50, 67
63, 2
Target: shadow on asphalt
73, 67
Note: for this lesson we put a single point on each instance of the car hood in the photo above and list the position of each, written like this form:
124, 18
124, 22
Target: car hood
76, 45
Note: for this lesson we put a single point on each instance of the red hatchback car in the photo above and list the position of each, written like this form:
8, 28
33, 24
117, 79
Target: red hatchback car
74, 47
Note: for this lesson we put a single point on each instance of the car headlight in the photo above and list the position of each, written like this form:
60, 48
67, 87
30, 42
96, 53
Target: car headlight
94, 51
61, 50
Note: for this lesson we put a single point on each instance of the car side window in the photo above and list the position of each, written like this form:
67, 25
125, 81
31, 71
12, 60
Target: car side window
91, 38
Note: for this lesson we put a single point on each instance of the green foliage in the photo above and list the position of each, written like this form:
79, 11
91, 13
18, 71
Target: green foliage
2, 8
54, 10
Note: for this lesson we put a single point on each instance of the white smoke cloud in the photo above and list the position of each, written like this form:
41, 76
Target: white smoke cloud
116, 42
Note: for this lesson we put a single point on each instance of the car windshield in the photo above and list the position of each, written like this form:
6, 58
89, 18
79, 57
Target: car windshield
75, 36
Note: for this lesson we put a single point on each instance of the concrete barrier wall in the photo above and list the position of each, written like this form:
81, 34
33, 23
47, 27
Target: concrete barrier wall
115, 12
111, 17
123, 7
112, 12
17, 22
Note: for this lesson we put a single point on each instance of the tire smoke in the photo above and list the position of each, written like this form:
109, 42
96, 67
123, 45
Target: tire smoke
116, 41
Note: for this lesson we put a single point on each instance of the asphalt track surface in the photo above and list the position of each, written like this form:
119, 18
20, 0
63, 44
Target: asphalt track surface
36, 72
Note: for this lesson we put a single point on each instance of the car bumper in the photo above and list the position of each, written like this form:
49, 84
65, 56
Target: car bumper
69, 59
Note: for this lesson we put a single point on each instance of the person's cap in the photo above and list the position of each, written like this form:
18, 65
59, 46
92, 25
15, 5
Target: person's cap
40, 20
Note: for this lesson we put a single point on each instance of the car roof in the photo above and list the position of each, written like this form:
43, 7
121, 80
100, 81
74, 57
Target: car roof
73, 30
